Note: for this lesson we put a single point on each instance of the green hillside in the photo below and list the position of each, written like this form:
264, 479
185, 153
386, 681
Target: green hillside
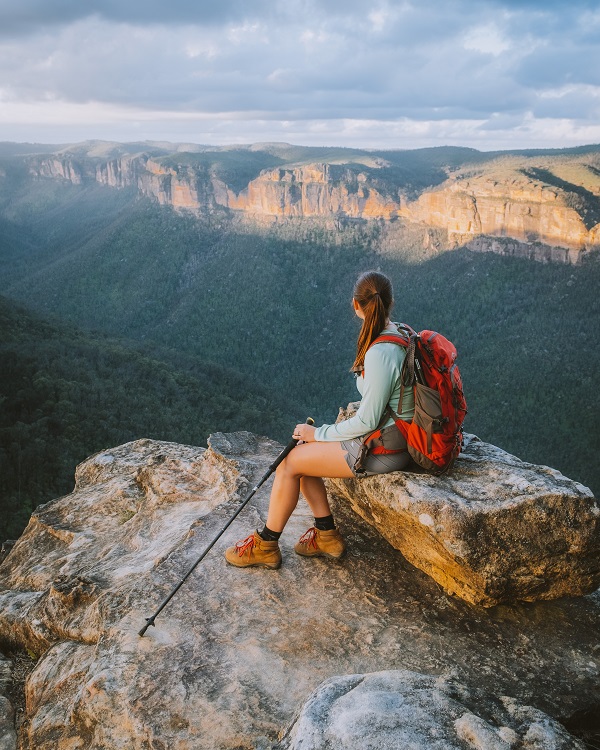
65, 394
263, 304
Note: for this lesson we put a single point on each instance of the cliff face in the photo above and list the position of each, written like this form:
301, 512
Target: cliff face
546, 216
64, 168
181, 188
311, 190
523, 210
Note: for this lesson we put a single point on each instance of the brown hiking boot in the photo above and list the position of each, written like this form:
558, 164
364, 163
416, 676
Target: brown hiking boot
254, 551
317, 543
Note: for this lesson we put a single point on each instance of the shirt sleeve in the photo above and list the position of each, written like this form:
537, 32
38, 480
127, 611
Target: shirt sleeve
382, 370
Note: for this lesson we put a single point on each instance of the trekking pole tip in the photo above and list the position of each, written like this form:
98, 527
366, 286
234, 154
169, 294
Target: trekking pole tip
149, 621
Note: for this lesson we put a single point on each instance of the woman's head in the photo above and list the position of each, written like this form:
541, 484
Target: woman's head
374, 296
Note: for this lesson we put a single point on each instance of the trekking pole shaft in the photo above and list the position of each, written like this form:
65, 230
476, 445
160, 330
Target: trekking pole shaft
289, 447
150, 620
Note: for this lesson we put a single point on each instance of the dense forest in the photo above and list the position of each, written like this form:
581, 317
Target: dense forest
142, 322
65, 394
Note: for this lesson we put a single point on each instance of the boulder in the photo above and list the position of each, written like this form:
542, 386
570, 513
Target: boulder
403, 709
495, 529
237, 652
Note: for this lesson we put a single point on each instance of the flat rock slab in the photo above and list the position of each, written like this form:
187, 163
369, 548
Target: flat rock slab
496, 529
236, 653
403, 709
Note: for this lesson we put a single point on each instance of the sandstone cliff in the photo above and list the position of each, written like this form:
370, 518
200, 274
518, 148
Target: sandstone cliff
236, 654
547, 209
508, 205
312, 190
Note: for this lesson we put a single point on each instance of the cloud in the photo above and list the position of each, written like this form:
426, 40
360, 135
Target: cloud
30, 16
305, 61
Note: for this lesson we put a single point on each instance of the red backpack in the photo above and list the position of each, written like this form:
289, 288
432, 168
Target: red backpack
434, 437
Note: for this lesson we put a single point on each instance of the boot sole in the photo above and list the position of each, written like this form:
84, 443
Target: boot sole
270, 566
321, 554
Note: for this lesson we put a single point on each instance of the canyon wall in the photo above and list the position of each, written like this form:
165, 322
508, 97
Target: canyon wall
311, 190
519, 208
507, 211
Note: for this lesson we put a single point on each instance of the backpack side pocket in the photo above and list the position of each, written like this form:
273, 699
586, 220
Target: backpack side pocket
428, 412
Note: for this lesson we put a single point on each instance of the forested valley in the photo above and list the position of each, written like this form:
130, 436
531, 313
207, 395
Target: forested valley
66, 394
122, 319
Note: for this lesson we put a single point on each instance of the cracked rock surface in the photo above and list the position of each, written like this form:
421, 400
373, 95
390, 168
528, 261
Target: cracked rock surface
236, 653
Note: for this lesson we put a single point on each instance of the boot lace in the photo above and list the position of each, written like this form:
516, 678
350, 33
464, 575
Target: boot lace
245, 545
310, 538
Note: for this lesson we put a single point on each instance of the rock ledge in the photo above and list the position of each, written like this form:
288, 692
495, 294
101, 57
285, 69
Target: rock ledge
495, 530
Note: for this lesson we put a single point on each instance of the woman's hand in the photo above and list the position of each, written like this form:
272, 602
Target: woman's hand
304, 432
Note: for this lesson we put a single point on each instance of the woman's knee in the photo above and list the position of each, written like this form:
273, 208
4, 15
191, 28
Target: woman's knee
288, 468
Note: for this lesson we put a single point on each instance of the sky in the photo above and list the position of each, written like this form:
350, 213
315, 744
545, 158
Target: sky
489, 74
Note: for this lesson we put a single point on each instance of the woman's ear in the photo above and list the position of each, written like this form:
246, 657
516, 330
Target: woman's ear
358, 309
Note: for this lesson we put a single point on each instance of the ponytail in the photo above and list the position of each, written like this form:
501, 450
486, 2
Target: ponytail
373, 292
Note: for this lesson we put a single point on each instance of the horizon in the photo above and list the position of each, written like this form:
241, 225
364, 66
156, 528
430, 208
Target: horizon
166, 143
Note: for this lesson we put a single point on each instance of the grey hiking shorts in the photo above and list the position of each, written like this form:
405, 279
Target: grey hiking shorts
381, 463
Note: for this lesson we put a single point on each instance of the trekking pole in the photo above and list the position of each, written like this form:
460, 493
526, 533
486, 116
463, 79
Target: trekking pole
289, 447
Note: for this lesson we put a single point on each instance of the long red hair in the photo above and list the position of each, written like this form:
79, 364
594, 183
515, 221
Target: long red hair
373, 292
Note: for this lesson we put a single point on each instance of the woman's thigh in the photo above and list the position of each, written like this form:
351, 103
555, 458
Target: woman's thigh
318, 459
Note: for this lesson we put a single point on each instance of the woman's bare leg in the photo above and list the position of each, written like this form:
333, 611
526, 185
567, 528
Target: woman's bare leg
316, 459
313, 489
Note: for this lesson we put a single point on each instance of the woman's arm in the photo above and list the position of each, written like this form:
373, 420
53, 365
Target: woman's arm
383, 364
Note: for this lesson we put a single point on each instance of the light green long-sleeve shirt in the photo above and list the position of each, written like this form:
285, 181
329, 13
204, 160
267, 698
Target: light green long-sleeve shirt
379, 386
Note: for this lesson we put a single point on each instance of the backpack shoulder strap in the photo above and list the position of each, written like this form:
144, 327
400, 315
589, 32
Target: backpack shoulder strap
391, 338
405, 337
402, 338
404, 327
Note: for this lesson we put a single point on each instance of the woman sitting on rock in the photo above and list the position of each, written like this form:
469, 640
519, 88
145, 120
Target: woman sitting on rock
332, 450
